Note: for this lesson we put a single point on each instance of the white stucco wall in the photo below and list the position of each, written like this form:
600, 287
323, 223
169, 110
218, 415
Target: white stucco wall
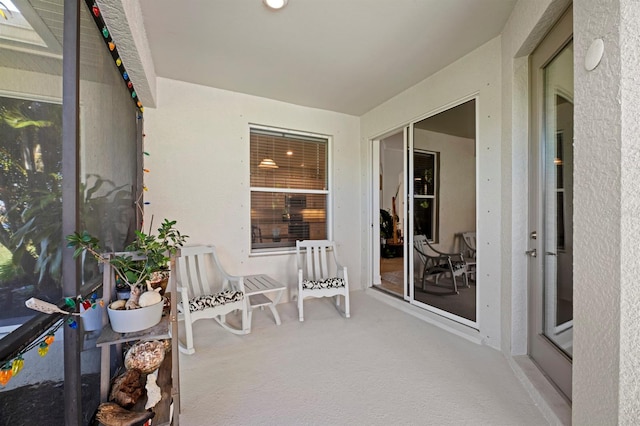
198, 140
606, 381
476, 73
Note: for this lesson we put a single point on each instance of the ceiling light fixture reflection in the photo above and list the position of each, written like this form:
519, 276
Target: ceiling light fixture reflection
275, 4
268, 163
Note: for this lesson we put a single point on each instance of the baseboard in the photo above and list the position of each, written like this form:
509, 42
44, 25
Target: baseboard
553, 405
453, 327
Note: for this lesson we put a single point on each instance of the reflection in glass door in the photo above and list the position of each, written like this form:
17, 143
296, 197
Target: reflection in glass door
558, 216
551, 215
441, 182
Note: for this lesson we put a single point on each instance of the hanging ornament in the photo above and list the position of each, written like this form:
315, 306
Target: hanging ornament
72, 323
86, 305
43, 349
5, 375
130, 85
133, 94
70, 302
125, 75
16, 365
95, 10
112, 46
139, 104
49, 339
118, 62
105, 32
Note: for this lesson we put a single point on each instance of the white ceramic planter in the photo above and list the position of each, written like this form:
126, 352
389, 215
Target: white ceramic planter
128, 321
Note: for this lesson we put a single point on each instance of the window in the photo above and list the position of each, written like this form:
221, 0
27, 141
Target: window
289, 188
425, 193
30, 205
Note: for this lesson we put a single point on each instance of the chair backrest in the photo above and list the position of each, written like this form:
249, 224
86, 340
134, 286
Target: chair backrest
421, 246
469, 239
311, 256
199, 270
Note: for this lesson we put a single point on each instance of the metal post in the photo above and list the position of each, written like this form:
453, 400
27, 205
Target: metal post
70, 201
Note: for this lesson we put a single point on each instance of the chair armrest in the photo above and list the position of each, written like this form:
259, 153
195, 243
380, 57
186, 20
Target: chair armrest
342, 271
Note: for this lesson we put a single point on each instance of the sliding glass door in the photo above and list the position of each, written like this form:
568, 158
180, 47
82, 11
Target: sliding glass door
441, 182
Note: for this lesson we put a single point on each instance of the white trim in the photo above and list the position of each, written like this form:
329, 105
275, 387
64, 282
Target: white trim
30, 97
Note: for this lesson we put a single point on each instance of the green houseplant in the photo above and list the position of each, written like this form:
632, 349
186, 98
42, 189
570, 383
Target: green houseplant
150, 263
154, 250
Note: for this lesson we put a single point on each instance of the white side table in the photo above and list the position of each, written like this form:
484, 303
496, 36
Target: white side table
255, 287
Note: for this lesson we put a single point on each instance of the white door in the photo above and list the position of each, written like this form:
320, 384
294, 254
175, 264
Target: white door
551, 205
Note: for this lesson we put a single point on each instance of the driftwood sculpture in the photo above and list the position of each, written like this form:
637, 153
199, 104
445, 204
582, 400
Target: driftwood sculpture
111, 414
127, 388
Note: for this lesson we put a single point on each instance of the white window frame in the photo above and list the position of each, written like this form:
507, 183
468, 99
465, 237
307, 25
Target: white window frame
435, 198
328, 192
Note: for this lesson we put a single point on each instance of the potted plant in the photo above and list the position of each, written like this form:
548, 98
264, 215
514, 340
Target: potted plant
138, 273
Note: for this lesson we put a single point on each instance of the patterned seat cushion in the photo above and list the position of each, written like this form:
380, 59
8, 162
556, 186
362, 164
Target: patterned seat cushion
323, 283
211, 300
457, 266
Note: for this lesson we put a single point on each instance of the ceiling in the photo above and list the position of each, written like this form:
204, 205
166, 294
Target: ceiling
457, 121
346, 56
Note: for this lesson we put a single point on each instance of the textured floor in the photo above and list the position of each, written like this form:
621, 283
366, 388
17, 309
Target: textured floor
380, 367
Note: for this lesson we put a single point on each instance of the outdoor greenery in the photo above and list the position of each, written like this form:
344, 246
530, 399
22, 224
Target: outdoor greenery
30, 193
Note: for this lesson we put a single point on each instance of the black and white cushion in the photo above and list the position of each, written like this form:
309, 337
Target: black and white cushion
323, 283
211, 300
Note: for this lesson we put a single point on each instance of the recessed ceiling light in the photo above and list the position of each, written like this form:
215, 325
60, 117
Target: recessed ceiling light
275, 4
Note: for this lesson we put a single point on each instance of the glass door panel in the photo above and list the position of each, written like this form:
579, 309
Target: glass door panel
558, 190
441, 182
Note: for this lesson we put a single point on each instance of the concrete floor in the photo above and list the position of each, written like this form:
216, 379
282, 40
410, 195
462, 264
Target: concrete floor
380, 367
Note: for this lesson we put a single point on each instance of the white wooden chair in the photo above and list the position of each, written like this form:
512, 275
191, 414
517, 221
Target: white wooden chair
469, 239
436, 264
319, 277
207, 291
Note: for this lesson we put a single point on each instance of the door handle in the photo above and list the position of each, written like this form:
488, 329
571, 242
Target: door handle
532, 253
550, 253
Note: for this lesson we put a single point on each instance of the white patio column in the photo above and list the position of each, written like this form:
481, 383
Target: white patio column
606, 363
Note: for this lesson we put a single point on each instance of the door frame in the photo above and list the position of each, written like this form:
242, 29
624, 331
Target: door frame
407, 225
554, 362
